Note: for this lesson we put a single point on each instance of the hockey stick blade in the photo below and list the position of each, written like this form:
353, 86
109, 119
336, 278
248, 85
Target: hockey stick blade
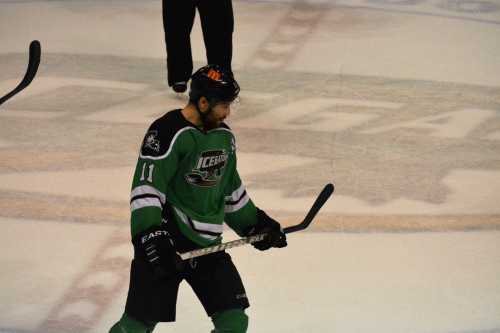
34, 61
320, 201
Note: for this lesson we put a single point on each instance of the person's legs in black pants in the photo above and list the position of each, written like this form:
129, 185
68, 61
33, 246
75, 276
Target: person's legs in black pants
178, 19
217, 23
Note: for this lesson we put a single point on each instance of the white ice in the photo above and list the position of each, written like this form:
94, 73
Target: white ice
395, 102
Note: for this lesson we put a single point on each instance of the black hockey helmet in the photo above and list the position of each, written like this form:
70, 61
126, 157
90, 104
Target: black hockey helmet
215, 84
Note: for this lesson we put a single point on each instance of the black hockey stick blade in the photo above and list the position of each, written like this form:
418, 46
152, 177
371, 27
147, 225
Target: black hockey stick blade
34, 61
320, 201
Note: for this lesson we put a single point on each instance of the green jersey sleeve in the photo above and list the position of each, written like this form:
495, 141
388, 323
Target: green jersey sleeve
240, 211
158, 160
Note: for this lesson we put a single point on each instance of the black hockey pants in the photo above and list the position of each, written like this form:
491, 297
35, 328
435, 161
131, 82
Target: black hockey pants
217, 23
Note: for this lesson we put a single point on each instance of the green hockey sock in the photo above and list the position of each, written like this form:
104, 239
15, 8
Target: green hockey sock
232, 321
130, 325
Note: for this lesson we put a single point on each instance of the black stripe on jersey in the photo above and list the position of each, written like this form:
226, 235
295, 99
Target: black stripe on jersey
146, 195
211, 233
163, 132
231, 203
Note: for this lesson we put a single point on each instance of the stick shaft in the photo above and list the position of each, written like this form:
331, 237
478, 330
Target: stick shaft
320, 201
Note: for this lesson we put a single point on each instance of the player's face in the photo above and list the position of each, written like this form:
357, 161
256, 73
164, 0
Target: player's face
216, 118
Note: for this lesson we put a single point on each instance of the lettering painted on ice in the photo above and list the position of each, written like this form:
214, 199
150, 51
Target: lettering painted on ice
209, 167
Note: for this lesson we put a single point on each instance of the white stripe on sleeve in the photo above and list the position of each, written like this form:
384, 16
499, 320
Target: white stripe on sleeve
145, 190
238, 206
145, 202
205, 230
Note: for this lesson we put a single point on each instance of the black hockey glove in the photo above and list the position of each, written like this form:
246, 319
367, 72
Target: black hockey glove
155, 246
266, 225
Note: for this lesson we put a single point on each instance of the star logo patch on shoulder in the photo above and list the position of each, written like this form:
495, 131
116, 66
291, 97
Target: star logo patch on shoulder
151, 142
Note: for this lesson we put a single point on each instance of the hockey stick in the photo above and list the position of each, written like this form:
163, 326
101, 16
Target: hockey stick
320, 201
34, 61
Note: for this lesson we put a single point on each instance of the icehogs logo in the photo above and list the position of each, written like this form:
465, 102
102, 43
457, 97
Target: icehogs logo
151, 142
209, 166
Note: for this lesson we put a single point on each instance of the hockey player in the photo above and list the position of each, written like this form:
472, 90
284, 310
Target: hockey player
185, 185
217, 23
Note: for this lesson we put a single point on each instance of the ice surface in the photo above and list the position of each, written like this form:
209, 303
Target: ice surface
397, 103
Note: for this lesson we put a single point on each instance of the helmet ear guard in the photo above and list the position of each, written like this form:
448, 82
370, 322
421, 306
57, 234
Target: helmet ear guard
215, 84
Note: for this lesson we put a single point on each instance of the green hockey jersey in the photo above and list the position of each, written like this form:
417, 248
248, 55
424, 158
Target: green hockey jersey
194, 172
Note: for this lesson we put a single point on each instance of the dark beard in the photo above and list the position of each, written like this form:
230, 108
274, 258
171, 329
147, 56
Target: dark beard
209, 124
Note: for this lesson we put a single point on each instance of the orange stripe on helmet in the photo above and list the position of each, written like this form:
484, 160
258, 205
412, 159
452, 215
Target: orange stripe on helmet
214, 75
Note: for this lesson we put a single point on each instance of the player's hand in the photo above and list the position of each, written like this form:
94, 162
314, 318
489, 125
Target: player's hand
155, 246
275, 237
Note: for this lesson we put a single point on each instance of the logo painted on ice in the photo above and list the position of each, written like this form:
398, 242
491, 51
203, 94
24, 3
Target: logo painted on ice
151, 142
209, 165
